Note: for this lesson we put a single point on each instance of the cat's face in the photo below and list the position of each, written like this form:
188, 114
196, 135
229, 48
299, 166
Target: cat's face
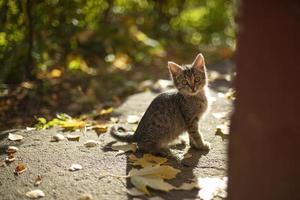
190, 79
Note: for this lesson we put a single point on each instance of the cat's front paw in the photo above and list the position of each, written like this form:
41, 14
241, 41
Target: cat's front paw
205, 146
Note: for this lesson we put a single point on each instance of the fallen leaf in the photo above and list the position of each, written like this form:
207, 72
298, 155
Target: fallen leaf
20, 168
73, 137
147, 160
75, 167
86, 197
100, 128
30, 128
219, 115
141, 183
15, 137
91, 143
35, 194
158, 171
72, 124
135, 192
125, 147
106, 111
38, 180
132, 119
56, 138
12, 149
10, 158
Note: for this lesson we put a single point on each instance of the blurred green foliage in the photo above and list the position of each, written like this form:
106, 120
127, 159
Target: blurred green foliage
96, 34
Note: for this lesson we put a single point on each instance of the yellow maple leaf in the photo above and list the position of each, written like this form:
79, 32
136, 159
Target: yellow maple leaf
100, 128
158, 171
106, 111
147, 160
153, 177
72, 124
141, 183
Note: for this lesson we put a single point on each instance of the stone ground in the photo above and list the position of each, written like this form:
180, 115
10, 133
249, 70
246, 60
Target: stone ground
52, 160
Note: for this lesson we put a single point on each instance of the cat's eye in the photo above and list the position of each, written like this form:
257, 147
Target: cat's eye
184, 82
197, 79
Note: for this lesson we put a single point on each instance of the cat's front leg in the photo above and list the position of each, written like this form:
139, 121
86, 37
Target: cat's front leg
196, 138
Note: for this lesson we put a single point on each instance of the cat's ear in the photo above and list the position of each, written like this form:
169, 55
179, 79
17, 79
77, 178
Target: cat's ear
174, 68
199, 62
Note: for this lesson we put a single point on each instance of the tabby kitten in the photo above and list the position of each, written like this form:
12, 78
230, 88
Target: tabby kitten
173, 112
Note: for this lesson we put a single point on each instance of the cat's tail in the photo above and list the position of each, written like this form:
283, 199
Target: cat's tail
119, 133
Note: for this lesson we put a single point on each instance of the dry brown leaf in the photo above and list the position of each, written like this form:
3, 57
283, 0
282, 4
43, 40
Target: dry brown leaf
38, 180
86, 197
56, 138
12, 149
73, 137
10, 158
91, 143
75, 167
100, 128
15, 137
147, 160
35, 194
20, 168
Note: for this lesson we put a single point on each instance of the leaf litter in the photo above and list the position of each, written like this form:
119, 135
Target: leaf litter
20, 168
35, 194
12, 149
38, 180
71, 137
91, 143
75, 167
15, 137
147, 160
61, 120
56, 138
153, 177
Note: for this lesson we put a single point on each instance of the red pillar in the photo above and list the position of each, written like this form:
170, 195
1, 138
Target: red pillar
264, 149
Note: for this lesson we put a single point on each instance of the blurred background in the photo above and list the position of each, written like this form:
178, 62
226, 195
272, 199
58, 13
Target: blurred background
79, 56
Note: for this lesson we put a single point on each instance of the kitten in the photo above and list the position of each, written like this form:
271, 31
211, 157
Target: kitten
173, 112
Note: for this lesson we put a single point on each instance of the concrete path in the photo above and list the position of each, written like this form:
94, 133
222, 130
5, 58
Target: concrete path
52, 160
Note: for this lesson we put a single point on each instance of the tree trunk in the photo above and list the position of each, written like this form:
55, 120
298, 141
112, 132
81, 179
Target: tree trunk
265, 134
